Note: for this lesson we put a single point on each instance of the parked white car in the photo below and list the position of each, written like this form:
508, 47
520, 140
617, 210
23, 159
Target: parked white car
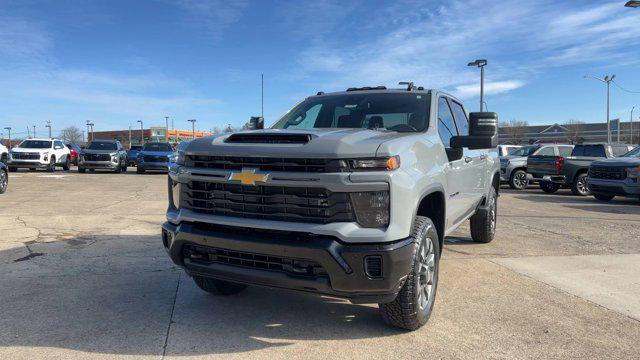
39, 153
4, 153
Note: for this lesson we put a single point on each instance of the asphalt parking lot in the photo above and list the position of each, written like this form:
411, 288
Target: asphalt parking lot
84, 275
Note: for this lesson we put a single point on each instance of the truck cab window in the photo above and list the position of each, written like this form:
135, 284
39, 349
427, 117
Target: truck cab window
446, 125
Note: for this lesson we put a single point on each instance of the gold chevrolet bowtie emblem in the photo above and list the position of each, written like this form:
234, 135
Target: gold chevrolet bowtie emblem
248, 177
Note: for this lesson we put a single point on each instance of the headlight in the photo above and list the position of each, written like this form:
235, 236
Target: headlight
179, 157
377, 164
371, 208
633, 172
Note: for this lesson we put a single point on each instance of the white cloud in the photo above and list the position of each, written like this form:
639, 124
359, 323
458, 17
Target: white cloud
215, 16
492, 88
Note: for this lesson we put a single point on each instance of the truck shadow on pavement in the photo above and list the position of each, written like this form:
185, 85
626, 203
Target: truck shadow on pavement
122, 295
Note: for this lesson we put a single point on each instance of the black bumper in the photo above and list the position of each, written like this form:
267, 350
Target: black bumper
245, 252
154, 166
27, 164
102, 165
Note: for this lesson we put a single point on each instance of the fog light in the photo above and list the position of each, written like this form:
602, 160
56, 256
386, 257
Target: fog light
373, 266
371, 208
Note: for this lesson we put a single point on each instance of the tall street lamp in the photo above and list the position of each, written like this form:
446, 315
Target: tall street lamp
166, 131
607, 80
481, 63
49, 126
193, 127
9, 129
631, 124
141, 133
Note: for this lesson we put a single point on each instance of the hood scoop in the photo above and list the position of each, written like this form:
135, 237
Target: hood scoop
268, 138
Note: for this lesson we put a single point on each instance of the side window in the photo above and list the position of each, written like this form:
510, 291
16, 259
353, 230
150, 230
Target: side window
619, 150
546, 151
58, 144
461, 119
565, 150
446, 124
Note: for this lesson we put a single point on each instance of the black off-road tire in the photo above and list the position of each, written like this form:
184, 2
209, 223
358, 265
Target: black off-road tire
603, 197
13, 169
579, 186
218, 287
3, 158
549, 187
118, 169
483, 222
518, 180
124, 167
4, 181
405, 311
52, 164
67, 164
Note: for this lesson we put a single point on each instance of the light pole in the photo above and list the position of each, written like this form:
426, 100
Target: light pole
88, 133
481, 63
9, 129
49, 126
607, 80
193, 127
631, 124
141, 133
91, 127
34, 131
166, 131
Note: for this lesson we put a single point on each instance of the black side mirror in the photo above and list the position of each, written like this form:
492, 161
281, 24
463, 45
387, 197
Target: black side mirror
483, 132
256, 123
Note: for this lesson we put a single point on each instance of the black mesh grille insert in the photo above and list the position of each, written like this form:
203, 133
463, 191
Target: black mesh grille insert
269, 138
608, 172
26, 156
301, 204
155, 158
208, 255
97, 157
266, 163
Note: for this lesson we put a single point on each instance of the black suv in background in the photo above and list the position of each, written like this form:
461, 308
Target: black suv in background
555, 172
103, 155
616, 177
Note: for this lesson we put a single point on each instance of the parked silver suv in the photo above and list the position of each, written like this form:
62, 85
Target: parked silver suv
513, 167
349, 194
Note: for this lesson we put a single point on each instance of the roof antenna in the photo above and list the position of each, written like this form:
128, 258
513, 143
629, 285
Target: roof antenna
408, 83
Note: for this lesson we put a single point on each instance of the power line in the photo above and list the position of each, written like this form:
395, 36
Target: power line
623, 89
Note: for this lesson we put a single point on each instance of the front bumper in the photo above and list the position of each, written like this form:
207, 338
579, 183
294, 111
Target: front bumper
98, 165
614, 187
27, 163
344, 271
162, 166
556, 179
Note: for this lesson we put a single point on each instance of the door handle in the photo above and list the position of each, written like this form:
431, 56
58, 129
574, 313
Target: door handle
467, 159
483, 157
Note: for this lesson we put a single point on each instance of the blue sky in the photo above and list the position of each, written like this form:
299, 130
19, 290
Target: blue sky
116, 62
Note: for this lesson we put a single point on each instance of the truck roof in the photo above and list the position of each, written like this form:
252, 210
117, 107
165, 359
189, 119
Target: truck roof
383, 90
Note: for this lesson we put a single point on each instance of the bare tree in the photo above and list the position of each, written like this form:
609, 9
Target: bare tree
71, 134
575, 131
229, 129
515, 130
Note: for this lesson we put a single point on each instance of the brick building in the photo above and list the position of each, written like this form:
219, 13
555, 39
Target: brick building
151, 134
571, 133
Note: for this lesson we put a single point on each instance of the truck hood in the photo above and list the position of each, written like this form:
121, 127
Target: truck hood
621, 161
155, 153
323, 143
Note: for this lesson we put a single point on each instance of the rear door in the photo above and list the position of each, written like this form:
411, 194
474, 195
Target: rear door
459, 172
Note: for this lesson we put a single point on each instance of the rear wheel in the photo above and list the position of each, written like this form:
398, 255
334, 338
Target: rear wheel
549, 187
215, 286
603, 197
67, 164
483, 223
4, 181
580, 186
413, 306
519, 180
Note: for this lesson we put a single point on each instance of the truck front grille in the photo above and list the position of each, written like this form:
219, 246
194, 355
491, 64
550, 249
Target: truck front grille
300, 204
608, 173
208, 255
97, 157
25, 156
266, 163
155, 158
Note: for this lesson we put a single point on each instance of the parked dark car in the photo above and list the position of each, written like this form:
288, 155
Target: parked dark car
554, 172
155, 156
75, 152
132, 154
616, 177
103, 155
4, 178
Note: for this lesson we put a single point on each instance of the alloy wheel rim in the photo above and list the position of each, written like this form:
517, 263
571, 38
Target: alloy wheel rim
3, 180
520, 180
426, 273
582, 186
492, 217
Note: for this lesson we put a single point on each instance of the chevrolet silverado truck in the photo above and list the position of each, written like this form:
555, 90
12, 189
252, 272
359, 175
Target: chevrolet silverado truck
554, 171
349, 194
513, 167
103, 155
39, 153
616, 177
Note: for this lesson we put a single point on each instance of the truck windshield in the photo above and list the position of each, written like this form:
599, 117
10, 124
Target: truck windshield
633, 153
157, 147
402, 112
35, 144
524, 151
102, 145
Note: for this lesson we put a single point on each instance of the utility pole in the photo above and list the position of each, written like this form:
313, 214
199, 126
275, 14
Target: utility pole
481, 63
193, 127
141, 133
91, 127
262, 95
88, 122
631, 124
34, 131
166, 130
129, 135
9, 129
49, 126
607, 80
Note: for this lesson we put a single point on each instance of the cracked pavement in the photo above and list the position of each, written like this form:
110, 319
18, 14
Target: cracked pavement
84, 275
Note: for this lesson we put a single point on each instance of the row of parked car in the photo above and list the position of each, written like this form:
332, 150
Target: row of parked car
599, 169
109, 155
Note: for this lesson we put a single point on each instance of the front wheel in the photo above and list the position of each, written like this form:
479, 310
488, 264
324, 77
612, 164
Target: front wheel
549, 187
519, 180
219, 287
4, 181
413, 306
580, 186
67, 164
139, 170
81, 170
603, 197
52, 165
